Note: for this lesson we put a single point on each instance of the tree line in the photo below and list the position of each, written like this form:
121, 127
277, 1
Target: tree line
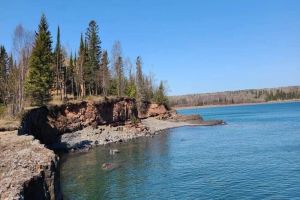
237, 97
34, 72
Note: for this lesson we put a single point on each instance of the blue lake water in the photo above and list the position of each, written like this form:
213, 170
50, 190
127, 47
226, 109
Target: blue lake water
255, 156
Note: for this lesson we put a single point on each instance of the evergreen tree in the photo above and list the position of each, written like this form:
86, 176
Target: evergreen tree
104, 73
58, 60
4, 61
141, 93
81, 68
112, 89
71, 74
75, 76
94, 54
39, 78
140, 80
148, 85
131, 90
160, 95
4, 66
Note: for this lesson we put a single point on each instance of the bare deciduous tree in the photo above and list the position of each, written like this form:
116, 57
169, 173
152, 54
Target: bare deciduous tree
22, 46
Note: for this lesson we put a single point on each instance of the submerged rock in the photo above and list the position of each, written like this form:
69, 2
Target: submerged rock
113, 151
109, 166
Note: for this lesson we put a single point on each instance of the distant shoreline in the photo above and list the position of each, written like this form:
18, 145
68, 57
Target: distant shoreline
236, 104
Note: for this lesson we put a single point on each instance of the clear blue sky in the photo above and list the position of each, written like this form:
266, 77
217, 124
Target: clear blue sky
196, 45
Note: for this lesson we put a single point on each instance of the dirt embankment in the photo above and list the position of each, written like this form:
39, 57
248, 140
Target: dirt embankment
48, 123
156, 119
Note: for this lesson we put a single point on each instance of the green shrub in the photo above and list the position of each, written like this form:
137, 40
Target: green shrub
160, 96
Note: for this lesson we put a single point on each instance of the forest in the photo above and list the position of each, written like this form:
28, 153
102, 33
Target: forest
37, 73
237, 97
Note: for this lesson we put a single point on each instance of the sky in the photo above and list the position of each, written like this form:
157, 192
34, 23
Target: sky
195, 46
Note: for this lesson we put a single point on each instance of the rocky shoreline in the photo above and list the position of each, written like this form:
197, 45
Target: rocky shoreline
89, 137
28, 170
29, 166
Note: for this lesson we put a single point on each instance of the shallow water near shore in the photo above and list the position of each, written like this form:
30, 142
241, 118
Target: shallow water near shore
255, 156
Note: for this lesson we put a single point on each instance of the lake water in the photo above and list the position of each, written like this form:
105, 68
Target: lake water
255, 156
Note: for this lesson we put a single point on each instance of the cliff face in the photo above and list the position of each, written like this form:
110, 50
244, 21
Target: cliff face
28, 170
48, 123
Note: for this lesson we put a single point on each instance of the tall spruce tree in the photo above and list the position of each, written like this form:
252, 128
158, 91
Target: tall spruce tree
104, 73
141, 92
58, 60
4, 62
81, 68
140, 80
39, 80
71, 74
4, 66
94, 54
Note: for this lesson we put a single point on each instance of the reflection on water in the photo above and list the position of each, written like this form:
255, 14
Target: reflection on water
255, 156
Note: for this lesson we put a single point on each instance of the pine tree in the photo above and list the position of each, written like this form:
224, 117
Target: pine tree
131, 90
160, 95
140, 80
80, 68
4, 60
141, 93
39, 78
76, 86
4, 66
58, 60
71, 73
148, 85
94, 54
104, 73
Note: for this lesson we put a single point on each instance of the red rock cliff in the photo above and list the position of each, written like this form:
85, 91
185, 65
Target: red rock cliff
47, 123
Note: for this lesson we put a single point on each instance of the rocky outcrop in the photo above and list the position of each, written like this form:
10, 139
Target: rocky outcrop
28, 170
160, 112
156, 109
48, 123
